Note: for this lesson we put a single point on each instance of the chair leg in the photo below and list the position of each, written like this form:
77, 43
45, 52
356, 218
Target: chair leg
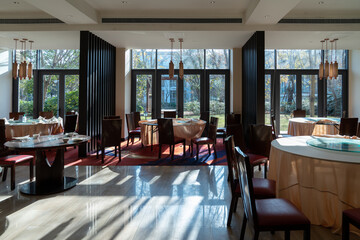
128, 141
307, 233
31, 166
115, 151
97, 152
102, 154
197, 152
191, 149
345, 228
132, 140
209, 149
235, 206
13, 177
243, 228
159, 151
184, 149
172, 152
4, 174
231, 210
119, 153
215, 151
256, 235
287, 235
265, 169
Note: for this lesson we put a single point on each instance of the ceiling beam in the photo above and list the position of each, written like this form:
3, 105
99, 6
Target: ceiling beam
68, 11
268, 12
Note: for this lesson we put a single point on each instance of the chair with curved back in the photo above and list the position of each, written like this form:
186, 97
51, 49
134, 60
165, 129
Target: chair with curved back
132, 131
10, 161
46, 115
233, 118
272, 214
210, 139
358, 131
263, 188
350, 216
205, 116
299, 113
166, 136
348, 126
16, 115
110, 136
137, 120
70, 123
169, 114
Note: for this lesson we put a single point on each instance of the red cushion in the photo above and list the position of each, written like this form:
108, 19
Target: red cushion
278, 212
202, 140
353, 214
223, 130
14, 159
256, 159
138, 128
264, 188
178, 140
134, 132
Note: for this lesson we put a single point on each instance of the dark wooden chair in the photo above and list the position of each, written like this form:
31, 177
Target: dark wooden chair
166, 136
273, 128
210, 139
348, 126
132, 131
137, 120
358, 131
110, 136
112, 117
273, 214
233, 118
214, 121
10, 161
169, 114
205, 116
260, 142
72, 112
16, 115
263, 188
299, 113
46, 115
255, 159
70, 123
350, 216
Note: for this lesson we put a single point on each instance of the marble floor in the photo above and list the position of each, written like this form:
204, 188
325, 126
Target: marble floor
130, 202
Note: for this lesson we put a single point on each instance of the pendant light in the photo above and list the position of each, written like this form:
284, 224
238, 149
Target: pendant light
326, 65
29, 70
15, 65
321, 66
181, 65
335, 69
171, 64
22, 68
331, 62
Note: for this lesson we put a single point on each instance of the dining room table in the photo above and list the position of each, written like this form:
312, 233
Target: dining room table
49, 173
313, 126
42, 126
187, 128
319, 175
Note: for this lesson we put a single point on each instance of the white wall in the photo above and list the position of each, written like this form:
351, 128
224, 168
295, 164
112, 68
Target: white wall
354, 83
123, 85
5, 83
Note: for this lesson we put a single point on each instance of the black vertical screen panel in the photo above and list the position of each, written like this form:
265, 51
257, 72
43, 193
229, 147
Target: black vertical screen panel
253, 80
97, 81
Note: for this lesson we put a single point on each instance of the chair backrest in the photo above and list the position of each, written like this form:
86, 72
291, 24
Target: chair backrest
130, 122
246, 187
358, 131
260, 139
2, 134
205, 116
232, 163
112, 117
16, 115
136, 119
111, 132
72, 112
272, 119
233, 118
299, 113
348, 126
214, 121
166, 130
236, 130
212, 132
46, 115
169, 114
70, 123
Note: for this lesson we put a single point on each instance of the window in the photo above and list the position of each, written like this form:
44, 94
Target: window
143, 58
310, 94
334, 97
217, 59
192, 96
298, 59
59, 59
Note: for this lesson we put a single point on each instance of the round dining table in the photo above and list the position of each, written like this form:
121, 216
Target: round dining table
318, 181
313, 126
49, 173
31, 127
183, 128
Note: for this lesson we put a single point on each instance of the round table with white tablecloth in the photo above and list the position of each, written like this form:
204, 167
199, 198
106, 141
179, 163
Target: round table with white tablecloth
320, 182
183, 127
312, 126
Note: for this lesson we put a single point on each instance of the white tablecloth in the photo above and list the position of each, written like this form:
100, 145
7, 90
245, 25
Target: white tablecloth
183, 128
30, 128
305, 127
321, 183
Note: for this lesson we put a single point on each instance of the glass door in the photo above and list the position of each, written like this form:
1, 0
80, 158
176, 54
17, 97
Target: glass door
287, 100
268, 104
309, 94
192, 96
50, 96
169, 93
71, 93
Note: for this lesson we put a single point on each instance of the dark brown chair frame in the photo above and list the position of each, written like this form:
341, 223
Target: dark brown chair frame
132, 131
169, 114
46, 115
16, 115
110, 136
210, 139
299, 113
348, 126
346, 221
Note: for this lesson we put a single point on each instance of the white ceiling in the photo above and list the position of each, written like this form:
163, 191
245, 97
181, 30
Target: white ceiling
256, 14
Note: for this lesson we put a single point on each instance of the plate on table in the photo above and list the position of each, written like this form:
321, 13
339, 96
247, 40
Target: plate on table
21, 139
78, 139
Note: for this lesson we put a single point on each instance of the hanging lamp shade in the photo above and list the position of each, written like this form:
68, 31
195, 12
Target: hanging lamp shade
171, 69
321, 71
335, 70
29, 70
327, 69
15, 69
331, 68
181, 70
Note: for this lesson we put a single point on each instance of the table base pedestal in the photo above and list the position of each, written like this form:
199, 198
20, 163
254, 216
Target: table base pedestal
30, 188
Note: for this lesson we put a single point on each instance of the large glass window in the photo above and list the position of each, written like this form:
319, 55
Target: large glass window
59, 59
217, 97
168, 93
287, 99
26, 96
217, 59
310, 94
71, 93
144, 95
51, 93
164, 57
269, 59
334, 97
298, 59
267, 99
192, 96
143, 58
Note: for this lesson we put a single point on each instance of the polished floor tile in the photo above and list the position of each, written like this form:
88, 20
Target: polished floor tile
130, 202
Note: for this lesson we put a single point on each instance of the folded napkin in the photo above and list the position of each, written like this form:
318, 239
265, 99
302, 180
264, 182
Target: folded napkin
21, 139
6, 121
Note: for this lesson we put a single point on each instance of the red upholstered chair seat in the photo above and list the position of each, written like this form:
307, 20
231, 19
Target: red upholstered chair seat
135, 131
350, 216
256, 159
14, 159
221, 130
138, 128
202, 140
263, 188
353, 214
278, 212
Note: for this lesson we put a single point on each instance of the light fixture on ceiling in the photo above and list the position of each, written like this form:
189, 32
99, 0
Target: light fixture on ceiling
22, 68
29, 70
212, 2
321, 66
327, 70
14, 64
335, 70
331, 66
181, 65
171, 64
